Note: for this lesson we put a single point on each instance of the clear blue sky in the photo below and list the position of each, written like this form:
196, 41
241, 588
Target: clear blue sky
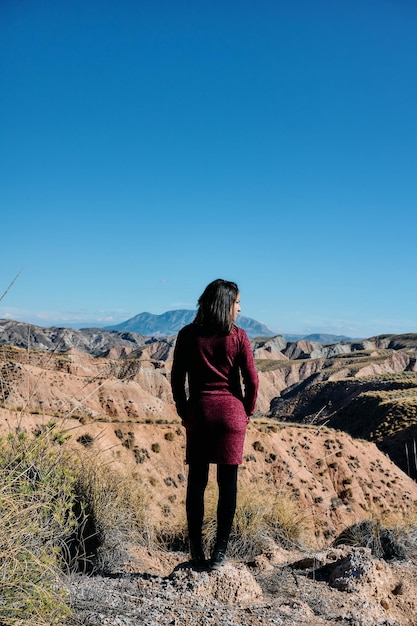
150, 146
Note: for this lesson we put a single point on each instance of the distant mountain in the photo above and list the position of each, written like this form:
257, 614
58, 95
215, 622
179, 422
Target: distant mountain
95, 341
169, 323
328, 339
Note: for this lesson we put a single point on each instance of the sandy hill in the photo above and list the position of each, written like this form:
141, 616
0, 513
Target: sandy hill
117, 407
122, 403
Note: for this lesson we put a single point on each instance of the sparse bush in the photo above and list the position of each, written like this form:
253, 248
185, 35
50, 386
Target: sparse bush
156, 447
346, 494
257, 445
86, 440
384, 542
141, 454
169, 436
128, 443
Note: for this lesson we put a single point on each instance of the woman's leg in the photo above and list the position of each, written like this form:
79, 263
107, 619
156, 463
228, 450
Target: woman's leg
226, 508
196, 485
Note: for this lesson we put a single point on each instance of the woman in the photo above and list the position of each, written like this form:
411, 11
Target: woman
214, 355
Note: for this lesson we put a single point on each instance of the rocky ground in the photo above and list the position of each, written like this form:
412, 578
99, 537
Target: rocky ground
338, 586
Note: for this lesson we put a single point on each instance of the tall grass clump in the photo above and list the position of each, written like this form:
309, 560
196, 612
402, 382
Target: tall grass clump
115, 512
36, 518
59, 512
262, 518
392, 536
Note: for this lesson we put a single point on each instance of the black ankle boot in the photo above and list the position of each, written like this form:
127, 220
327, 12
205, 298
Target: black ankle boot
218, 558
198, 558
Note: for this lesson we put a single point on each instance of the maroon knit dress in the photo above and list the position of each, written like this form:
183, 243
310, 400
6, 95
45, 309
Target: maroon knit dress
215, 412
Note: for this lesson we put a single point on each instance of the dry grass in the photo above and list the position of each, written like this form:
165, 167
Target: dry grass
403, 525
36, 518
263, 518
58, 512
389, 536
116, 508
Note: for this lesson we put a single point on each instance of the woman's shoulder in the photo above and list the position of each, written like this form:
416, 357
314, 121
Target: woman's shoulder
184, 337
239, 332
239, 336
193, 330
187, 330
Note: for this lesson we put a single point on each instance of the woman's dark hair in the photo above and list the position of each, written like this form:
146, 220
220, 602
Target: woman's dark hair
214, 307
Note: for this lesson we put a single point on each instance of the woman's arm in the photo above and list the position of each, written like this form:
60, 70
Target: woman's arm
178, 375
249, 375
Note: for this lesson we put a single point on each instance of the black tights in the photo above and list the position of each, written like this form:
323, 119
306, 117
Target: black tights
226, 507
